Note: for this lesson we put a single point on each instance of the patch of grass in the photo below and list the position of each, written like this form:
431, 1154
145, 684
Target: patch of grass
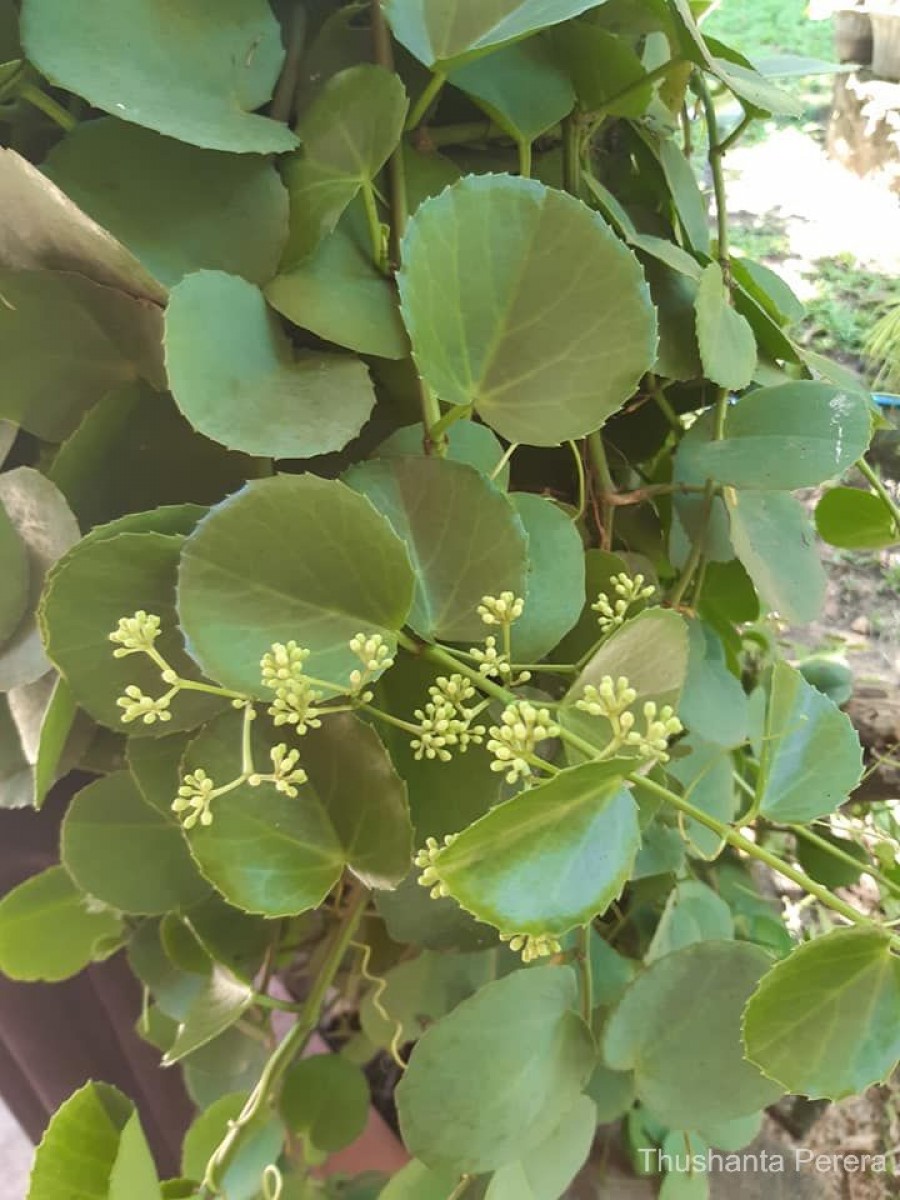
847, 304
759, 28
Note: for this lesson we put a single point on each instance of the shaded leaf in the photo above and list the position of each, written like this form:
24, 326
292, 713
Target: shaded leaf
463, 536
812, 758
47, 529
258, 569
415, 1181
546, 1171
489, 1081
775, 542
14, 583
110, 465
238, 381
56, 726
467, 442
125, 853
102, 338
824, 1021
348, 133
339, 294
580, 829
520, 87
221, 1001
554, 589
693, 913
48, 929
602, 66
559, 341
176, 207
678, 1027
95, 585
197, 79
439, 33
325, 1099
713, 702
42, 229
726, 341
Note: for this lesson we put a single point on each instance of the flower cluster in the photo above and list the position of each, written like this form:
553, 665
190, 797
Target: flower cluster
286, 775
613, 699
513, 742
194, 796
137, 706
135, 635
446, 720
375, 657
628, 592
295, 697
427, 859
495, 664
532, 946
502, 609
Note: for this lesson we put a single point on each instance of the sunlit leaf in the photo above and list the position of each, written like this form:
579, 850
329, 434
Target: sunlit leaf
558, 341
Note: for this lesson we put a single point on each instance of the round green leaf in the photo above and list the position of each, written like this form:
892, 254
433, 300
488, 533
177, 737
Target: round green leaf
325, 1099
520, 300
823, 1022
102, 338
546, 1171
350, 772
237, 379
774, 540
522, 88
339, 294
95, 585
14, 584
602, 66
41, 519
111, 463
264, 852
463, 535
41, 229
439, 32
580, 829
261, 1146
855, 520
292, 557
348, 133
726, 340
196, 77
125, 853
693, 913
824, 867
788, 437
812, 758
554, 590
176, 207
219, 1004
467, 442
678, 1027
415, 1181
488, 1082
48, 929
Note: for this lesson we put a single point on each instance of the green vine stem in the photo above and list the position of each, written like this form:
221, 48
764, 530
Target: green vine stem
587, 974
48, 106
429, 95
445, 659
716, 154
873, 478
285, 97
273, 1073
461, 1188
600, 463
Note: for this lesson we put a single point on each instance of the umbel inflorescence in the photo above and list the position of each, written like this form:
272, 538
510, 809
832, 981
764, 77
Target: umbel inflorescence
521, 741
